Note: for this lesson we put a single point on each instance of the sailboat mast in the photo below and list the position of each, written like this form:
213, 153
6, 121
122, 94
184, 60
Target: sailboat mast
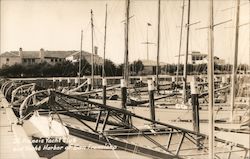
80, 59
158, 44
211, 81
147, 44
126, 65
234, 71
186, 57
105, 38
92, 48
180, 44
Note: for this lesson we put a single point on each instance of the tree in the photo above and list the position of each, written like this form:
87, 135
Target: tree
137, 66
110, 68
65, 68
85, 67
15, 70
119, 70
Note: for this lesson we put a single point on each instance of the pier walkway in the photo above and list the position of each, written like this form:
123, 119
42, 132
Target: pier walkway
14, 143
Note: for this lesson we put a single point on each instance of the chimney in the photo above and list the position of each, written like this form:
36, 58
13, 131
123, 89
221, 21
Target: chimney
96, 50
20, 52
41, 54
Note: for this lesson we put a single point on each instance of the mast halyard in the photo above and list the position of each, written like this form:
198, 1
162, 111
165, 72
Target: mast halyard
126, 64
186, 58
158, 44
211, 81
147, 40
234, 71
92, 49
104, 47
80, 58
180, 44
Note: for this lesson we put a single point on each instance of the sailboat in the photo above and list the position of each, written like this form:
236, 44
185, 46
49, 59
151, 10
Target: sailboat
182, 116
48, 136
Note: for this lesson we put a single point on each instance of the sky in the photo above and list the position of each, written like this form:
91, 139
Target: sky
57, 24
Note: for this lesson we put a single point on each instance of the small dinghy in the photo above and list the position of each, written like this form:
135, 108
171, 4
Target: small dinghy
48, 136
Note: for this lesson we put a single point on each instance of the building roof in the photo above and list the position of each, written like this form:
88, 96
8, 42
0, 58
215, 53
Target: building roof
193, 53
152, 63
31, 54
10, 54
36, 54
76, 54
97, 59
61, 54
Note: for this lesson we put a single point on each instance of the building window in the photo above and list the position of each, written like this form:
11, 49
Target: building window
33, 60
7, 60
24, 60
55, 60
51, 60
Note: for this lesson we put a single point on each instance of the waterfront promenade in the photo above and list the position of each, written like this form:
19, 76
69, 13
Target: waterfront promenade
14, 143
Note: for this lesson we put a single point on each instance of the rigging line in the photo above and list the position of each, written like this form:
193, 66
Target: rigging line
60, 119
231, 8
165, 32
77, 118
86, 28
99, 31
95, 37
171, 41
138, 30
180, 43
135, 148
138, 24
72, 107
112, 147
230, 36
140, 14
148, 137
113, 7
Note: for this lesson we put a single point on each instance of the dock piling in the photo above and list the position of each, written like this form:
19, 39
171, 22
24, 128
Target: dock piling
76, 81
195, 107
89, 84
104, 87
153, 79
68, 81
60, 82
140, 81
151, 99
124, 93
54, 82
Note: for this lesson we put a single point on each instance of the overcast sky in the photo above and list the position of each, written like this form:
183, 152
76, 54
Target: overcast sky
56, 25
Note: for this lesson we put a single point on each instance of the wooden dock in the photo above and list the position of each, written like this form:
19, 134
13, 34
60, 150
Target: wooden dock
14, 143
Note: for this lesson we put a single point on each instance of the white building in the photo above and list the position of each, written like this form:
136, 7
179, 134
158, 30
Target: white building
21, 56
